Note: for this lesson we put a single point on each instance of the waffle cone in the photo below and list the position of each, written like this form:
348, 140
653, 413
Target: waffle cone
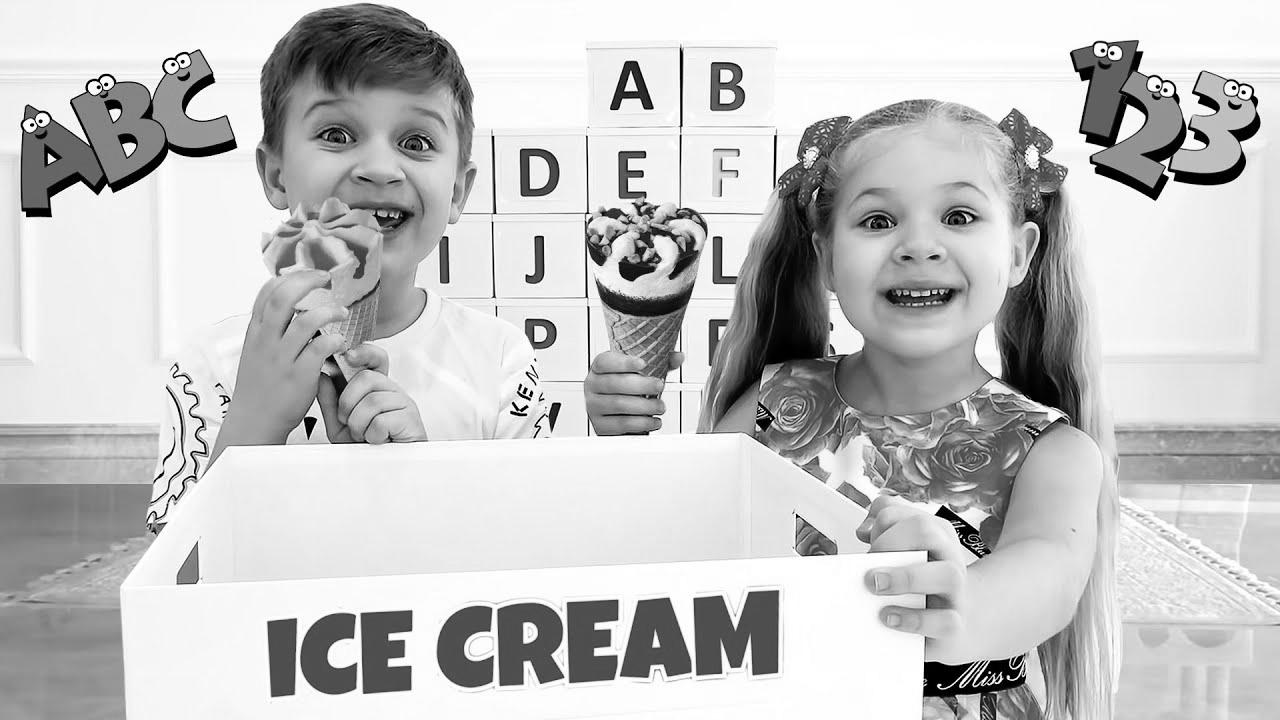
358, 327
648, 337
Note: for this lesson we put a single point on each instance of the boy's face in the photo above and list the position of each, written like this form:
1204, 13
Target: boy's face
381, 149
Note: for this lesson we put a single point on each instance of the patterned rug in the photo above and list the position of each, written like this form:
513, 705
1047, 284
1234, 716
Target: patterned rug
1164, 576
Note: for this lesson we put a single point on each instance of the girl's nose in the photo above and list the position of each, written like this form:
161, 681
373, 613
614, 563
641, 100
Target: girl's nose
378, 165
918, 244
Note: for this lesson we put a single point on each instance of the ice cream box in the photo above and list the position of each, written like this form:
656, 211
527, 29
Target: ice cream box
563, 578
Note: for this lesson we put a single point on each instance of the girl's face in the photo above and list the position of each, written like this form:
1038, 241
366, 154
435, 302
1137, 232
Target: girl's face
922, 249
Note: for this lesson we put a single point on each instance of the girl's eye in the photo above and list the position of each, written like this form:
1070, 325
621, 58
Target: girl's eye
334, 135
417, 143
878, 221
958, 217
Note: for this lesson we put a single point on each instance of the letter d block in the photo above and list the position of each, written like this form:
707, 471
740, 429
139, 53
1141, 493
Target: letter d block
728, 86
624, 165
633, 85
540, 171
558, 334
462, 265
539, 256
726, 170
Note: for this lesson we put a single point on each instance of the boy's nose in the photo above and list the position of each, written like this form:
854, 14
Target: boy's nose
378, 166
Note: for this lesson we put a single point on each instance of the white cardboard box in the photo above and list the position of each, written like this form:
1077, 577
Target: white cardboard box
726, 170
728, 85
633, 84
540, 171
624, 164
539, 256
391, 577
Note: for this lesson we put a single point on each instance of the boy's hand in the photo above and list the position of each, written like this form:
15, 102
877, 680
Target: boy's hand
371, 408
893, 524
280, 361
621, 401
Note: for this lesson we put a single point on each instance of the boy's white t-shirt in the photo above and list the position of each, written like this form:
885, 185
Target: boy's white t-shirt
472, 376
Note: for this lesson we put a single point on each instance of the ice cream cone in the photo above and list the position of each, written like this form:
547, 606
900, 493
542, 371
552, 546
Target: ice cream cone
648, 337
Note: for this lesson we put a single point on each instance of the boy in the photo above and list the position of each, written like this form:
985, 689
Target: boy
366, 104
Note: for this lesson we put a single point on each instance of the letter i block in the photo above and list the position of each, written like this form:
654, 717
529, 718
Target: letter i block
726, 170
481, 199
598, 335
540, 171
633, 85
462, 265
566, 408
558, 334
539, 256
626, 164
844, 339
787, 145
704, 325
728, 237
729, 86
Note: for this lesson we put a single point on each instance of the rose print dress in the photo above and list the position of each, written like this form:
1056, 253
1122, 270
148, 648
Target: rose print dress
959, 461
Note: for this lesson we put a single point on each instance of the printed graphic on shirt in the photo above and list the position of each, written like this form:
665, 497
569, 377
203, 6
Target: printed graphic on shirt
188, 450
524, 404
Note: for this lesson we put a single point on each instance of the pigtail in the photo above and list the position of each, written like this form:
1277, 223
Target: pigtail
1049, 352
780, 309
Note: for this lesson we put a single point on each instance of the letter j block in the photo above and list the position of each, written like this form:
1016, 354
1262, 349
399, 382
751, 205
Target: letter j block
540, 171
728, 86
726, 170
633, 84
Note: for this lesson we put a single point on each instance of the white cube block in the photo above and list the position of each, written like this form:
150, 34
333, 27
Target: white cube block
704, 325
538, 256
728, 86
462, 264
540, 171
728, 237
726, 170
481, 199
598, 337
787, 143
844, 339
671, 418
625, 164
633, 84
558, 334
485, 306
690, 411
566, 409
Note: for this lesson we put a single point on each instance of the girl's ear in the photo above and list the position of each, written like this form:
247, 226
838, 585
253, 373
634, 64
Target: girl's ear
1025, 241
269, 167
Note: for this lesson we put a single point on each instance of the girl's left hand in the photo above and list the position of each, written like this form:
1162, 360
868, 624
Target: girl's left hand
894, 524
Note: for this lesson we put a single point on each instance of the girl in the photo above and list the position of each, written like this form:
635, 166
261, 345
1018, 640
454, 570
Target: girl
930, 222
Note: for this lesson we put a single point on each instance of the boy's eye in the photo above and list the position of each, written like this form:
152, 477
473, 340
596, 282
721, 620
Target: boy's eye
879, 221
959, 217
417, 143
335, 135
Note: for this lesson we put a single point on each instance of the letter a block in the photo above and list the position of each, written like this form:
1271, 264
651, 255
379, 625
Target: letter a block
726, 170
728, 86
633, 85
540, 171
628, 164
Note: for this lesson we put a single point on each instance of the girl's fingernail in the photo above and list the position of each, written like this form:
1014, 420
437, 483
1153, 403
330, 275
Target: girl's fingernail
880, 581
662, 408
893, 620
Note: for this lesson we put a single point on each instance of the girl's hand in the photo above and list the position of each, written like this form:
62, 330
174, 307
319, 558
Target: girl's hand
893, 524
372, 408
621, 401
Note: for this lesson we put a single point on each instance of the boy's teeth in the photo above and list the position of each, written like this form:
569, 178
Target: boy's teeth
387, 213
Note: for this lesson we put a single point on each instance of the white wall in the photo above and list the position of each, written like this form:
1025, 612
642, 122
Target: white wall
91, 297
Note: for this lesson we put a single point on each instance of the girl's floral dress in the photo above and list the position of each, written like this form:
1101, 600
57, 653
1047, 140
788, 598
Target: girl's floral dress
960, 461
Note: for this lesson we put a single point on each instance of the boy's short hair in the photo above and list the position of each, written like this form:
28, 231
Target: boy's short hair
364, 44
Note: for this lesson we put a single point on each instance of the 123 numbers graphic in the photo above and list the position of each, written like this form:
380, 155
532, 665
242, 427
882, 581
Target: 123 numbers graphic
1145, 160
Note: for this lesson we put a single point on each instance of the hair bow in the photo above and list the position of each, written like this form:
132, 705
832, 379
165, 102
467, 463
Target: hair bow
814, 155
1039, 175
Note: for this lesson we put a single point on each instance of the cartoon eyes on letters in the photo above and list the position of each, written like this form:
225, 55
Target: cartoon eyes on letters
173, 65
1161, 88
40, 121
1233, 89
100, 86
1104, 51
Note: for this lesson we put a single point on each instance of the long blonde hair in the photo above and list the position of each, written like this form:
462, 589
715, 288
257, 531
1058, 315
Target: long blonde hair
1048, 351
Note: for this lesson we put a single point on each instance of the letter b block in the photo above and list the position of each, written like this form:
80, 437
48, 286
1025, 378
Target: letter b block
726, 170
728, 86
540, 171
633, 85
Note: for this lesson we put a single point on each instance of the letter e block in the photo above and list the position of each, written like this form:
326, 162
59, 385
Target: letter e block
540, 171
633, 85
728, 86
624, 165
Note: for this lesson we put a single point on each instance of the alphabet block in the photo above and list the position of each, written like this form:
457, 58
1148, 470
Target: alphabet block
567, 409
690, 411
787, 144
462, 265
598, 337
728, 237
631, 163
728, 86
726, 170
558, 334
540, 171
704, 325
633, 84
671, 418
481, 199
538, 256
